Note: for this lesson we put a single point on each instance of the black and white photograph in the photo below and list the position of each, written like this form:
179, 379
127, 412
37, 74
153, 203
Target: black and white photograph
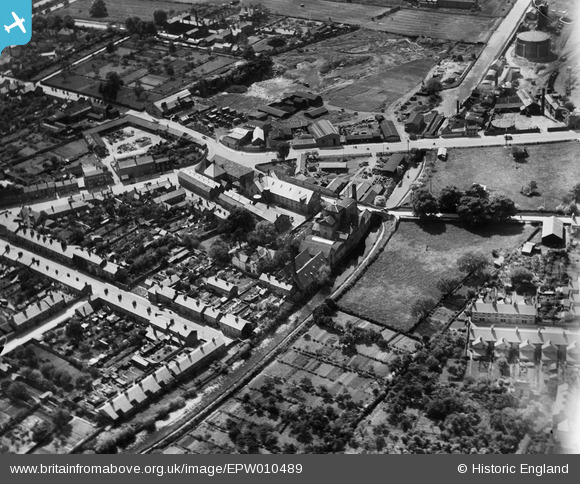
290, 227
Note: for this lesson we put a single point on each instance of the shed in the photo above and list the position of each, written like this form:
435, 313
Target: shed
552, 231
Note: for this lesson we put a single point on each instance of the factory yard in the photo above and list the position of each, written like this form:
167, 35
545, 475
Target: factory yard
553, 166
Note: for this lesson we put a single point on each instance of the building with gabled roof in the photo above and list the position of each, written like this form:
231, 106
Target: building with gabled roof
285, 194
221, 286
324, 133
502, 313
552, 231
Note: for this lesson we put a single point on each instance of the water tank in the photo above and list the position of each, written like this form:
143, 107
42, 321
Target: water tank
533, 45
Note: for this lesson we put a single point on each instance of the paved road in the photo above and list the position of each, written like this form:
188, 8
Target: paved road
108, 292
46, 325
252, 159
492, 51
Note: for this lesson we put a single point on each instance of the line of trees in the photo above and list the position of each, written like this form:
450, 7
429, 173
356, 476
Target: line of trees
474, 206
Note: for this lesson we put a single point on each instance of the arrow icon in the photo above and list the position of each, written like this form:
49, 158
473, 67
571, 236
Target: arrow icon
18, 22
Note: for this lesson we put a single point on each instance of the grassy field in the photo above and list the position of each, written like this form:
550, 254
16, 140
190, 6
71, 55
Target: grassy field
436, 24
414, 260
313, 9
496, 169
120, 10
374, 92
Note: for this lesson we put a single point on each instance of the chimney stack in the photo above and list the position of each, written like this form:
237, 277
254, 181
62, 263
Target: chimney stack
353, 191
543, 100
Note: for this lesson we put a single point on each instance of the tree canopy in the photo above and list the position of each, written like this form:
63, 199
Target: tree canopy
424, 203
98, 9
472, 262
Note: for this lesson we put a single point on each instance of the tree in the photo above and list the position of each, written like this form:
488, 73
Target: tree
219, 252
449, 199
249, 53
472, 210
575, 192
160, 17
138, 89
521, 277
472, 262
190, 242
41, 431
111, 87
424, 203
98, 9
447, 284
74, 330
264, 234
503, 366
422, 307
433, 86
530, 190
239, 223
283, 150
277, 41
324, 276
519, 153
18, 391
501, 208
69, 22
83, 383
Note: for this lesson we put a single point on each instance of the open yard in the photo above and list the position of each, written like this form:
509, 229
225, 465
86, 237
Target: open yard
414, 260
363, 70
553, 166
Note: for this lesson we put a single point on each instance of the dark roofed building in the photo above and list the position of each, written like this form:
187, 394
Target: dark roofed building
316, 112
272, 111
415, 123
393, 163
389, 131
552, 231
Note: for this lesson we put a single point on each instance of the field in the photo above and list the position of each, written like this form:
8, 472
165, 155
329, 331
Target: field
364, 70
414, 260
439, 25
492, 8
314, 9
120, 10
496, 169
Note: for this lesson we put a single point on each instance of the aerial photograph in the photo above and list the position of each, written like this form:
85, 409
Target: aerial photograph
290, 227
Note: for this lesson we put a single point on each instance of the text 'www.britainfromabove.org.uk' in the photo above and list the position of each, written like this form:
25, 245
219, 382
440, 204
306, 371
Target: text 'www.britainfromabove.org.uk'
159, 470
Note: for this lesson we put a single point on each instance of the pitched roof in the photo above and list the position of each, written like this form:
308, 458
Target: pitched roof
214, 171
553, 226
322, 128
502, 308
